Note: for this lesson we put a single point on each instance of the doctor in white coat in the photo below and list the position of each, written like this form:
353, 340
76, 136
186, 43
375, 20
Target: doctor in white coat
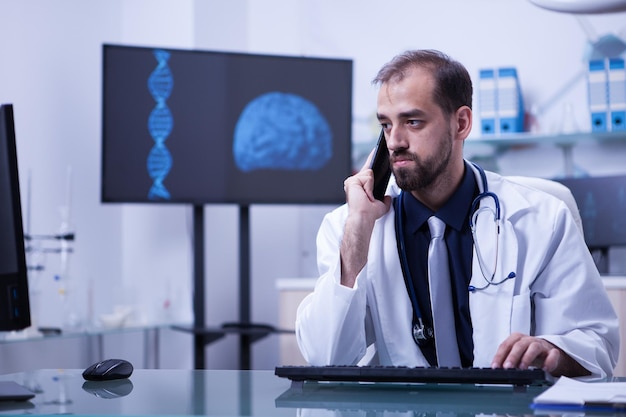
537, 298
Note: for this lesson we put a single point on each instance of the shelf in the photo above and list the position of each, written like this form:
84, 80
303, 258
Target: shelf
492, 146
498, 144
570, 139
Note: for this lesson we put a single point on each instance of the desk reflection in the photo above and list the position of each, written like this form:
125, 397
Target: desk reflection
358, 399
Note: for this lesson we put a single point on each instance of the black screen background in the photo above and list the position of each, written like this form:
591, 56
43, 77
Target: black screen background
602, 205
8, 240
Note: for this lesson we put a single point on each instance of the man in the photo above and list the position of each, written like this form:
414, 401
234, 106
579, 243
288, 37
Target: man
524, 288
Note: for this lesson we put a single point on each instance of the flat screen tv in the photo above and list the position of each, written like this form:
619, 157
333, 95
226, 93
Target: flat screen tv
201, 127
14, 297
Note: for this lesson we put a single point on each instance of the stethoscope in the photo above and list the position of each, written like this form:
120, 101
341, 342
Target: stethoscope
421, 333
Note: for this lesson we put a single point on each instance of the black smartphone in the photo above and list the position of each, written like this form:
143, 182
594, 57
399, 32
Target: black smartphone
381, 166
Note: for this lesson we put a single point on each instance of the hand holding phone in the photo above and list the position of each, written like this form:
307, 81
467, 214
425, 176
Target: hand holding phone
381, 166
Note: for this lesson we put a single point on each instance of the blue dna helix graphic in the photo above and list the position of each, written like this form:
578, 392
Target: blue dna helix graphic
160, 125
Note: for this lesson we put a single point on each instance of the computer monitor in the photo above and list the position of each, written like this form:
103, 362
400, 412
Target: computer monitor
14, 297
602, 205
202, 127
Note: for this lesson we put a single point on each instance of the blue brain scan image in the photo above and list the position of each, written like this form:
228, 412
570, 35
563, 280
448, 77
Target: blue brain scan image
281, 131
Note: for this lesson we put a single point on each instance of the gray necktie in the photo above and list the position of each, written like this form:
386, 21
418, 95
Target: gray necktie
441, 296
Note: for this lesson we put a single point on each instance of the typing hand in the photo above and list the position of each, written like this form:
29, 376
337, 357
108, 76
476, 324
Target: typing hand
523, 351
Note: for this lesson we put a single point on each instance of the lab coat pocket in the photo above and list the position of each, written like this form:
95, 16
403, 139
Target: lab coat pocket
521, 313
491, 320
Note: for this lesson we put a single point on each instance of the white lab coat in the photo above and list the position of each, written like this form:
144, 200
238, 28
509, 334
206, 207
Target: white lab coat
557, 292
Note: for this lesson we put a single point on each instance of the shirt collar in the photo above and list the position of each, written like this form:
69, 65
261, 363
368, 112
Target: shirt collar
454, 212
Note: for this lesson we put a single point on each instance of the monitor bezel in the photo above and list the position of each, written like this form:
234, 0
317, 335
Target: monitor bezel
595, 183
14, 285
338, 198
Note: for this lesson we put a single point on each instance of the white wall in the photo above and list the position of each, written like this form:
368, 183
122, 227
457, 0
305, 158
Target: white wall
50, 68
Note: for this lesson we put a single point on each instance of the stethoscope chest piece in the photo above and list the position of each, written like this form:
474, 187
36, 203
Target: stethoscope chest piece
422, 334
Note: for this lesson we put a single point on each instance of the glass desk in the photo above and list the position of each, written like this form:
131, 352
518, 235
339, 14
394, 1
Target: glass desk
253, 393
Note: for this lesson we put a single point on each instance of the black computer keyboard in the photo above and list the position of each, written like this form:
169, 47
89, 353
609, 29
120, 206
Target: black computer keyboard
518, 377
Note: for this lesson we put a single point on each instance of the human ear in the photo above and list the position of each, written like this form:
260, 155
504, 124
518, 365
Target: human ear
463, 117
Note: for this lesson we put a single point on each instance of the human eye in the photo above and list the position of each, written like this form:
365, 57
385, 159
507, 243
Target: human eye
414, 122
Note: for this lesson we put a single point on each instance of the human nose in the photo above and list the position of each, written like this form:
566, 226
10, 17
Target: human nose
395, 139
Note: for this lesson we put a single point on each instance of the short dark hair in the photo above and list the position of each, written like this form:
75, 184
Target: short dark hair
453, 87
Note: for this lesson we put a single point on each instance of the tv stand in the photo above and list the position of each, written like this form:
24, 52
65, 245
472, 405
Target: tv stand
248, 332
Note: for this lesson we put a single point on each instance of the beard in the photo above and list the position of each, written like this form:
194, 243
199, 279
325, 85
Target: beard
425, 171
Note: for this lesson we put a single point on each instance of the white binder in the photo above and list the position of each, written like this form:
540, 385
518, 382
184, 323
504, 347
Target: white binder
598, 95
617, 94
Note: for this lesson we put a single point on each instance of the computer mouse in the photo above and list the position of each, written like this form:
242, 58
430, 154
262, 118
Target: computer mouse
108, 369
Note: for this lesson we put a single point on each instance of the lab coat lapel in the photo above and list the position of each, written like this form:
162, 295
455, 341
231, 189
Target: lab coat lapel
491, 308
390, 297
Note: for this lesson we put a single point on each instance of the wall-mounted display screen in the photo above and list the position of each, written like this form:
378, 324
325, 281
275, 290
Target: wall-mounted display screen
199, 127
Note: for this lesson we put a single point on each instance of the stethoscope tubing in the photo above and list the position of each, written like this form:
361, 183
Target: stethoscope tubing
475, 209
